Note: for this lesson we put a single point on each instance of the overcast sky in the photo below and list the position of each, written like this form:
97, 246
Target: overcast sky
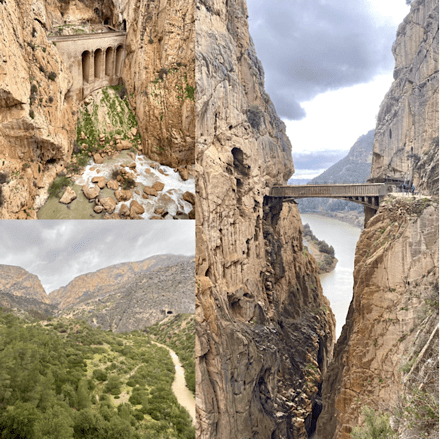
58, 251
328, 65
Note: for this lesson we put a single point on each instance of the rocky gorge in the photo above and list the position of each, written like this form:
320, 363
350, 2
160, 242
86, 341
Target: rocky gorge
122, 298
39, 110
266, 361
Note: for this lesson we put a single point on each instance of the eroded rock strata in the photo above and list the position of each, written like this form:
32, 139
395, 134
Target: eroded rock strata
406, 136
264, 329
393, 314
387, 355
38, 114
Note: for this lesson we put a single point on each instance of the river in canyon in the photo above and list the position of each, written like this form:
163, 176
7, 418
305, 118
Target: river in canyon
337, 285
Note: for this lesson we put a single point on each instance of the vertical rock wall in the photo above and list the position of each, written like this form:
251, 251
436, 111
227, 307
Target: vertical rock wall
406, 136
159, 75
264, 329
36, 121
391, 332
391, 319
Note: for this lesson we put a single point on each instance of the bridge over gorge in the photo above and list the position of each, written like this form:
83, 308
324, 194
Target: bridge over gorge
368, 194
95, 60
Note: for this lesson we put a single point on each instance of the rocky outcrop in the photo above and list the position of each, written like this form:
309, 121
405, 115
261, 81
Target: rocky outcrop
264, 329
408, 120
101, 282
159, 75
133, 295
392, 317
18, 281
36, 118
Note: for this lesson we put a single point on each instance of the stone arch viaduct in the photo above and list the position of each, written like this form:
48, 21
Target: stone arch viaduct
95, 60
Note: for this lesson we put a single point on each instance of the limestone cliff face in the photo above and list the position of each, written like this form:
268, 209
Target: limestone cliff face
131, 296
392, 317
264, 330
406, 136
105, 280
38, 115
159, 75
36, 121
19, 282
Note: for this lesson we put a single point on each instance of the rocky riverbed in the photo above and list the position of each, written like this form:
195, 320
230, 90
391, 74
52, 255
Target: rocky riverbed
108, 175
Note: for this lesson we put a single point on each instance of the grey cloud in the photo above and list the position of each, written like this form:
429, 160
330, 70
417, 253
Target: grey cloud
317, 160
308, 48
57, 251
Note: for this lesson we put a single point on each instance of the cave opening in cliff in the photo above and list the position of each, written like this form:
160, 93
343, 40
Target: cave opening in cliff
124, 25
86, 66
98, 63
239, 164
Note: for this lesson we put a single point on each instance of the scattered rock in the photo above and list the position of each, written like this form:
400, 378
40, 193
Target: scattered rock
134, 131
132, 165
98, 159
160, 211
113, 184
68, 196
92, 192
124, 144
183, 172
124, 210
190, 197
98, 209
150, 191
108, 203
83, 136
123, 195
136, 209
158, 186
100, 181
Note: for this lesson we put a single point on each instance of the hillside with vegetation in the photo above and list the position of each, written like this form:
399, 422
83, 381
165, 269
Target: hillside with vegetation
63, 379
322, 252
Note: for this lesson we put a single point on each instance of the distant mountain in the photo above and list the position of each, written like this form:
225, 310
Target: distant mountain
121, 297
354, 168
132, 295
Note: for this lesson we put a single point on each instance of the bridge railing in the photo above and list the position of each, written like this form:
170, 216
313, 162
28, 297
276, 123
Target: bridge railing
330, 190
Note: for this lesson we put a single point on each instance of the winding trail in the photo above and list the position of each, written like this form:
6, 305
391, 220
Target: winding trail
184, 396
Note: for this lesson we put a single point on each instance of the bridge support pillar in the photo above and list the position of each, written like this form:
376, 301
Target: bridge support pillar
369, 212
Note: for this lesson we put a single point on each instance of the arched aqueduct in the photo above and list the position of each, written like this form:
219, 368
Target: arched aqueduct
95, 60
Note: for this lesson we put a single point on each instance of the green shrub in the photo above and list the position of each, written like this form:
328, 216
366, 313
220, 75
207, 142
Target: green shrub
376, 426
58, 185
99, 375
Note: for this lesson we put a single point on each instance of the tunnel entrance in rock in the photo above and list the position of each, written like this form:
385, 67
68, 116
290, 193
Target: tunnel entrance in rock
239, 164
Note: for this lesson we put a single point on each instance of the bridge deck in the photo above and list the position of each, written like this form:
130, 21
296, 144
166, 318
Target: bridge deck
331, 190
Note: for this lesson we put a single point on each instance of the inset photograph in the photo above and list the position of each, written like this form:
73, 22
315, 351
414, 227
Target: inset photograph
97, 110
97, 329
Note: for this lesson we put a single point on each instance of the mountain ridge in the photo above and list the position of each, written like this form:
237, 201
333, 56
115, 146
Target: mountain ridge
150, 289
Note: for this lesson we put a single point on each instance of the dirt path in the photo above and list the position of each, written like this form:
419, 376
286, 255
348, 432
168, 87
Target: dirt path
184, 396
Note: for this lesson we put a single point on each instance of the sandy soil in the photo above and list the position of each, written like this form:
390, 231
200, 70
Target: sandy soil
183, 394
